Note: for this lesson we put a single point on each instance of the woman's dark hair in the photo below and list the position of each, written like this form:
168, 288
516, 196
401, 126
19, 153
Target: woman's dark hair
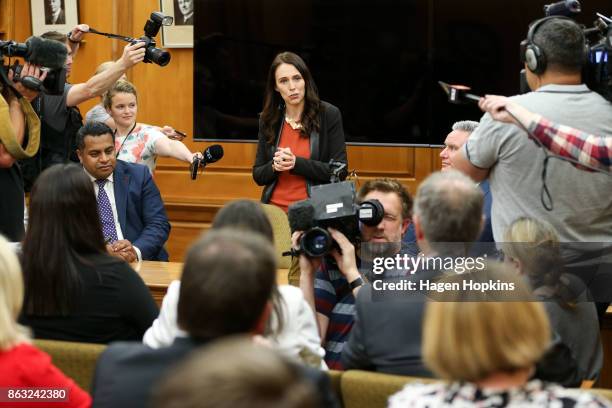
63, 226
250, 216
274, 106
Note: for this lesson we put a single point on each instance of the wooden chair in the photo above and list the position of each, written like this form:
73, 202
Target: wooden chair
282, 234
76, 360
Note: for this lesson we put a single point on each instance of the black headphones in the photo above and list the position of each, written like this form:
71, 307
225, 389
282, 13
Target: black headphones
531, 54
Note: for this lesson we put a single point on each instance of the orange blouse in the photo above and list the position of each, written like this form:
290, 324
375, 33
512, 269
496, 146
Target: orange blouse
290, 187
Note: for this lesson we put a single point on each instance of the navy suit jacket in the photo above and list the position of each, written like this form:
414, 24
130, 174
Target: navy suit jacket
141, 211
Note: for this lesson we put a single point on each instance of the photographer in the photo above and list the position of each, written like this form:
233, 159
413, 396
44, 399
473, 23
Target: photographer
59, 116
573, 201
331, 290
12, 120
591, 150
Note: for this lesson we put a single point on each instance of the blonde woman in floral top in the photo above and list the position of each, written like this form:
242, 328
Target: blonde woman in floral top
139, 142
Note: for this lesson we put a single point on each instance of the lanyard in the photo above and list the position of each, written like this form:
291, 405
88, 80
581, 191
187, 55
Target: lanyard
124, 140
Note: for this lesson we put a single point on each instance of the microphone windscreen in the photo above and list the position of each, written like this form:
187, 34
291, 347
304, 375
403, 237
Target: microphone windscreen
301, 214
46, 53
213, 153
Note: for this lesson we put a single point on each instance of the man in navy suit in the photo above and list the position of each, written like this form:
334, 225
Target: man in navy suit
134, 221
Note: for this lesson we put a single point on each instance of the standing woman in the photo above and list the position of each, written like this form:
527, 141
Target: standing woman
298, 134
139, 142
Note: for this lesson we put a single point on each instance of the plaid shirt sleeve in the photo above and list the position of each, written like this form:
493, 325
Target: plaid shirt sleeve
568, 142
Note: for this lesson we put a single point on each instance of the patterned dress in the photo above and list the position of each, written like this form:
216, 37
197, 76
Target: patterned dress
139, 146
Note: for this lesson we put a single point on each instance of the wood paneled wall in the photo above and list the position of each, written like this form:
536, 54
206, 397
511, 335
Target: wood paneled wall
166, 97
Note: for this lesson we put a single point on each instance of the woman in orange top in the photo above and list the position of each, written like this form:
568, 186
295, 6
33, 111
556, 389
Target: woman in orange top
298, 134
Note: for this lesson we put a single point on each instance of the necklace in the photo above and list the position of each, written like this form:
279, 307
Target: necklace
294, 124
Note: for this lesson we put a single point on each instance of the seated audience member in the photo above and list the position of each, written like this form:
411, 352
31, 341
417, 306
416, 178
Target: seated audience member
134, 221
486, 352
292, 328
235, 373
227, 281
99, 114
532, 247
139, 142
386, 336
329, 287
590, 150
74, 290
23, 365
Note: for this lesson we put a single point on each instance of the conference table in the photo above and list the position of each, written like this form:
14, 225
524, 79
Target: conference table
158, 275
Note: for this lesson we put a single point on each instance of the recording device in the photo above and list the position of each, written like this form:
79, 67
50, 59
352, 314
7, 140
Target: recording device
331, 205
458, 94
211, 154
49, 54
152, 53
598, 67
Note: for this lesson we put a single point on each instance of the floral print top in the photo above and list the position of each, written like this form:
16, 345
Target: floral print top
139, 146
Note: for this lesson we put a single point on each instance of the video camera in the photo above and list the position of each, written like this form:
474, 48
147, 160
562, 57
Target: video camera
331, 205
598, 69
50, 55
151, 29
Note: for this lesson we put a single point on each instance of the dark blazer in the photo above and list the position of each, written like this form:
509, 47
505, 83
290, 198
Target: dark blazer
325, 145
127, 371
386, 335
141, 211
487, 230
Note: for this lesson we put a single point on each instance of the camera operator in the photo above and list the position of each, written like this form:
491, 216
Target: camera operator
575, 202
590, 150
60, 118
11, 182
331, 290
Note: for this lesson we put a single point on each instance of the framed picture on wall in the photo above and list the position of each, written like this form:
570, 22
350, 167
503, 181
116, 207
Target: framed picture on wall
180, 33
54, 15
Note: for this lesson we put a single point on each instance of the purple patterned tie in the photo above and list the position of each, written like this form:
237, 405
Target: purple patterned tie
106, 213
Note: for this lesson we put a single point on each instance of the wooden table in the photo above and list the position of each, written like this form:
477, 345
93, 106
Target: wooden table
158, 275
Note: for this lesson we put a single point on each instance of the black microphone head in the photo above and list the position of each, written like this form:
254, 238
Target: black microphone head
213, 153
301, 214
46, 53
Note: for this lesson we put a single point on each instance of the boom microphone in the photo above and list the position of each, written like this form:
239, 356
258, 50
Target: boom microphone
300, 214
46, 53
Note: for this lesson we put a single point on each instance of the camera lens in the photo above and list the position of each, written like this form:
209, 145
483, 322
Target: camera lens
158, 56
316, 242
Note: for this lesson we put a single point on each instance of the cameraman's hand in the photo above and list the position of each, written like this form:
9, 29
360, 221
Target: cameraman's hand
347, 262
132, 54
28, 70
308, 266
77, 33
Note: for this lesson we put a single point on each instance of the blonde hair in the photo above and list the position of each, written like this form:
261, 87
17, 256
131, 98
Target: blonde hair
103, 67
120, 86
11, 298
465, 340
535, 244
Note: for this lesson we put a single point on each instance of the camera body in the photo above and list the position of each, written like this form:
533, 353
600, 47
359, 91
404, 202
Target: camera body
152, 53
51, 55
331, 205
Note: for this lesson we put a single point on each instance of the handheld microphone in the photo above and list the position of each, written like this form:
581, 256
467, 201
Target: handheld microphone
211, 154
567, 8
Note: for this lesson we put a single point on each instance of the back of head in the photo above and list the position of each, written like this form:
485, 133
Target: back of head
388, 185
535, 245
11, 298
235, 373
226, 284
449, 207
248, 215
55, 36
562, 42
63, 225
464, 340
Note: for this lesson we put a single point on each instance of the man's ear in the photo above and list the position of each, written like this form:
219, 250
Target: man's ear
405, 224
260, 325
80, 155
